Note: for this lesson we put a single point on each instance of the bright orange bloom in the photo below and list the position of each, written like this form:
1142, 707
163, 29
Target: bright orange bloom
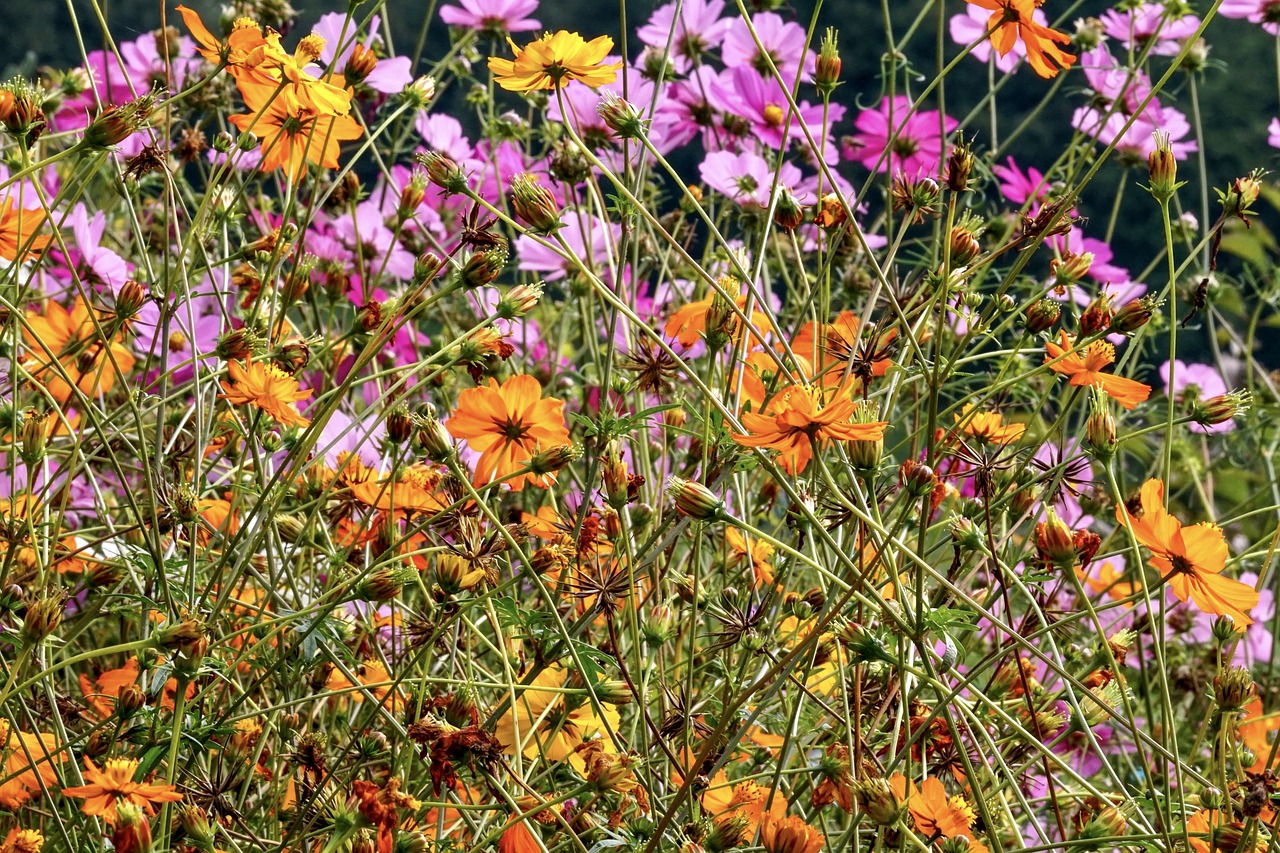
724, 799
688, 324
380, 806
411, 489
518, 838
988, 426
934, 812
1111, 582
831, 346
17, 230
267, 387
507, 424
66, 348
293, 131
28, 761
258, 62
756, 552
797, 419
1012, 20
1189, 559
553, 61
1086, 369
374, 676
790, 835
114, 784
1255, 728
103, 693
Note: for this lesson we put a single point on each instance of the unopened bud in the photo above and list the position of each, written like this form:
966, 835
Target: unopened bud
964, 247
519, 301
483, 267
132, 830
1071, 267
1162, 169
42, 618
553, 459
1133, 315
788, 213
443, 171
827, 67
1042, 315
620, 116
1220, 409
1055, 543
1100, 429
959, 167
534, 204
695, 500
1233, 688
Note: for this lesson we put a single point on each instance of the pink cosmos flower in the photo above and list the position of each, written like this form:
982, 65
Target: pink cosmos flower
699, 28
1264, 12
1196, 381
1019, 186
389, 76
1138, 142
492, 17
1273, 133
93, 262
782, 40
763, 103
747, 178
1114, 81
1136, 27
914, 150
590, 239
688, 111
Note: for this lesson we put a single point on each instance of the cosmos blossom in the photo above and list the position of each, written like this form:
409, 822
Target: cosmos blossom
506, 424
1013, 21
1085, 368
893, 139
1189, 559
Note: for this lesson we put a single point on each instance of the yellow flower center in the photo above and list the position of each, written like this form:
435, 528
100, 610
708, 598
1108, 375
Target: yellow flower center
773, 115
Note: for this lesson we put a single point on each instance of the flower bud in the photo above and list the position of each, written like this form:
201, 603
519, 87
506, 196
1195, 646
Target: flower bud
360, 64
195, 823
534, 204
443, 172
1042, 315
42, 618
613, 471
916, 478
519, 301
426, 267
384, 584
399, 424
1097, 315
435, 440
483, 267
420, 92
116, 124
620, 116
1233, 688
964, 246
788, 213
130, 299
695, 500
1238, 201
827, 66
1220, 409
1224, 630
1162, 169
132, 830
1070, 268
865, 454
879, 801
412, 195
917, 197
553, 459
1055, 544
1100, 429
959, 167
36, 429
247, 141
1133, 315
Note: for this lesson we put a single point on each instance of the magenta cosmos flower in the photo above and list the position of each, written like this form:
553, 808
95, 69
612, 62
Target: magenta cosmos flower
492, 17
892, 139
1264, 12
763, 103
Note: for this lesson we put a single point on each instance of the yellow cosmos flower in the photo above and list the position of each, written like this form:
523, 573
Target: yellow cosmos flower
554, 61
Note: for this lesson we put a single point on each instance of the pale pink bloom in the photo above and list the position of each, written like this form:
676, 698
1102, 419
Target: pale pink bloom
1136, 27
763, 103
492, 16
747, 178
915, 150
1113, 80
1273, 133
1138, 142
590, 239
783, 40
1264, 12
1020, 186
699, 28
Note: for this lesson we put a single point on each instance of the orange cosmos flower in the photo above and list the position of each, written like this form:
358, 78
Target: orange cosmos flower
506, 424
114, 784
796, 420
29, 764
294, 131
374, 676
1190, 559
988, 426
1111, 582
67, 348
412, 489
1086, 369
554, 61
689, 324
831, 346
267, 387
1012, 20
790, 835
933, 811
17, 232
1255, 728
